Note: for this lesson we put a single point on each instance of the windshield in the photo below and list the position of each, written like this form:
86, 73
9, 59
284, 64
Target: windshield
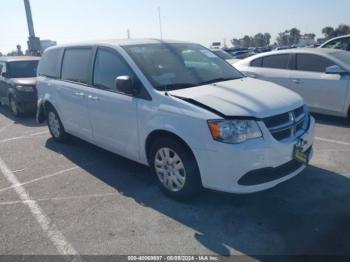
224, 55
22, 69
343, 57
178, 66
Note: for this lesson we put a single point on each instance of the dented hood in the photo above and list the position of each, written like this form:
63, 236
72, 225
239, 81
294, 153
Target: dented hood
245, 97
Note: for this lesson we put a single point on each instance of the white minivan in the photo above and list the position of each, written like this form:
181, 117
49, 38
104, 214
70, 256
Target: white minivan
178, 108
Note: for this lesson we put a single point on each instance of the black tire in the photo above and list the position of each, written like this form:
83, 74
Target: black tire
14, 107
192, 185
57, 132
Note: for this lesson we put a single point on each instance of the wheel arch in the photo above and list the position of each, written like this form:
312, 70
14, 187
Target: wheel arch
159, 133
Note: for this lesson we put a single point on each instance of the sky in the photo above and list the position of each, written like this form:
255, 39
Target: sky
202, 21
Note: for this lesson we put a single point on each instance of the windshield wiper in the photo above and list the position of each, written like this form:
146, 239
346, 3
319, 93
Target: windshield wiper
216, 80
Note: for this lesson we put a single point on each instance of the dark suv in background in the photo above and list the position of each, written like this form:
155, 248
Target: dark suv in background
18, 84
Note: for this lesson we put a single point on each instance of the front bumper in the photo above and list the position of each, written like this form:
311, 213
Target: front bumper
27, 101
223, 167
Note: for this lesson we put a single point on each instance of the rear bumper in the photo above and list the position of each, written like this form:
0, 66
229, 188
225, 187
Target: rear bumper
224, 168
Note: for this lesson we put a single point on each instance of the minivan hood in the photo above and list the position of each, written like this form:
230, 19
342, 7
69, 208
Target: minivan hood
244, 97
30, 81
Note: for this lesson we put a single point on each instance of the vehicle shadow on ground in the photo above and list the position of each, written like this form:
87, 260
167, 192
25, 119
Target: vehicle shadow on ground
309, 214
331, 120
26, 120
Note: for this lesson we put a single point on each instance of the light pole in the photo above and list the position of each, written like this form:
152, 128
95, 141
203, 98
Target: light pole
160, 23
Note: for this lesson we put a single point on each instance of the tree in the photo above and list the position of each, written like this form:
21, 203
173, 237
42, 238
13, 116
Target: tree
283, 38
294, 35
342, 30
328, 32
246, 41
236, 42
267, 37
259, 40
289, 37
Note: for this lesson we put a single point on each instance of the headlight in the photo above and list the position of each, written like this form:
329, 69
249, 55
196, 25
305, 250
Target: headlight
234, 131
25, 88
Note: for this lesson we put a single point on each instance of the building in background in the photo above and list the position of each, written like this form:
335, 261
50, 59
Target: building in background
45, 44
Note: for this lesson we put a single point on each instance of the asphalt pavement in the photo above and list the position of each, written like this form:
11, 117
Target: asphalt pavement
78, 199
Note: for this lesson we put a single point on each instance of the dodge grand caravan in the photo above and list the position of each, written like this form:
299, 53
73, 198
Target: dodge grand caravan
178, 108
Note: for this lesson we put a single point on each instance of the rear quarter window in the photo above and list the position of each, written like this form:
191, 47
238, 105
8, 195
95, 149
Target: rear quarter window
276, 61
256, 62
50, 63
76, 63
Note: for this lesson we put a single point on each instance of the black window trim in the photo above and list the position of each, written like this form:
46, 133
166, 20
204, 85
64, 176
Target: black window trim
89, 66
287, 65
145, 96
60, 61
259, 58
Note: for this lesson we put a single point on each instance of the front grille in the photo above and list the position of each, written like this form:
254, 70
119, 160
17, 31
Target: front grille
290, 125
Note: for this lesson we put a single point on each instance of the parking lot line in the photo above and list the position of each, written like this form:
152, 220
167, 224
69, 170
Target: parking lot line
7, 203
5, 127
332, 141
56, 237
23, 137
40, 178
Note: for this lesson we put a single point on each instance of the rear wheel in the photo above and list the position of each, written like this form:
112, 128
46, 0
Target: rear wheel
175, 168
55, 125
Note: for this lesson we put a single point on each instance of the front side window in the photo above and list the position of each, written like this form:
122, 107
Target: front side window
177, 66
276, 61
22, 69
108, 66
313, 63
75, 66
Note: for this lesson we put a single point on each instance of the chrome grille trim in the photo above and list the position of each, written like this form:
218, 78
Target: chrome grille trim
296, 125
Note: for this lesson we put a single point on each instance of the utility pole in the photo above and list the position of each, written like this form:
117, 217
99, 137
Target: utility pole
160, 23
34, 45
128, 34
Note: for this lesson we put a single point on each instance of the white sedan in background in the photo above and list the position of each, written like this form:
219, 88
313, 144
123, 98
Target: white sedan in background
320, 76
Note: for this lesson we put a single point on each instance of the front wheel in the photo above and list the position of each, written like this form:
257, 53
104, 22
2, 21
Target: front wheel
175, 168
14, 107
55, 125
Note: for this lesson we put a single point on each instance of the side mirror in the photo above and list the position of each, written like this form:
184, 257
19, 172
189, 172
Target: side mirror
125, 84
335, 70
